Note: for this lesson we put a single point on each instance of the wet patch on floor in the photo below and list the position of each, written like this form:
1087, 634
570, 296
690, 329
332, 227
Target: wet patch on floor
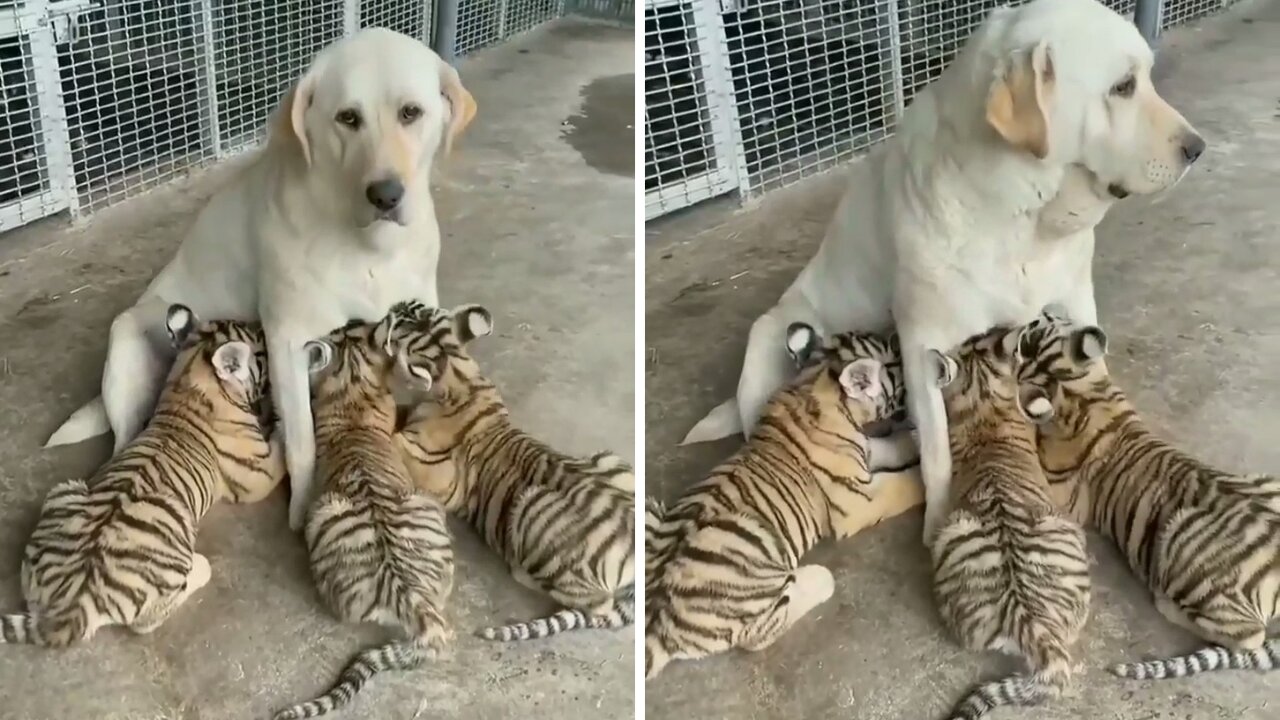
607, 114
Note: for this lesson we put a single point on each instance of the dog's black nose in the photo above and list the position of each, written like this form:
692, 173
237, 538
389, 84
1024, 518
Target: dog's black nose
1192, 147
385, 194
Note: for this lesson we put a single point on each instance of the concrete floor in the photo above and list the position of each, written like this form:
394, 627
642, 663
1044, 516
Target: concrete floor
1186, 284
556, 109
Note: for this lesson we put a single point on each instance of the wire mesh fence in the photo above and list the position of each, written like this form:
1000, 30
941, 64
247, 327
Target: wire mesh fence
749, 95
101, 100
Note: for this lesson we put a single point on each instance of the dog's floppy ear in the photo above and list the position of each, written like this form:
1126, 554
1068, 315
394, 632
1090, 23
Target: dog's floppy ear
289, 125
179, 322
1018, 102
462, 107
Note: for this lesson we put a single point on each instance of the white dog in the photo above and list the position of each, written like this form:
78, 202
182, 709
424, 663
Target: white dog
980, 211
332, 221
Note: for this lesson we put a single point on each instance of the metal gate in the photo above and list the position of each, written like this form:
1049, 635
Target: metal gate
101, 100
749, 95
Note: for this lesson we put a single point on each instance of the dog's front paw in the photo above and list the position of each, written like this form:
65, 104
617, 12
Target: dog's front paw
933, 516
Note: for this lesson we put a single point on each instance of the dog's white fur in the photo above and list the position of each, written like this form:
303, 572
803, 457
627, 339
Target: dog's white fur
980, 211
293, 240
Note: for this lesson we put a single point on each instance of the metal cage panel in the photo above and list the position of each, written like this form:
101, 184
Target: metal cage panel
1180, 12
805, 84
414, 18
101, 100
687, 129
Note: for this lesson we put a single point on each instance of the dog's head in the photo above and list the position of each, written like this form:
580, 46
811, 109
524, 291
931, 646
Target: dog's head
1072, 86
367, 119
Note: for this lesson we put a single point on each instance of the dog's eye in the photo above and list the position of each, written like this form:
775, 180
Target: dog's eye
348, 117
409, 113
1125, 87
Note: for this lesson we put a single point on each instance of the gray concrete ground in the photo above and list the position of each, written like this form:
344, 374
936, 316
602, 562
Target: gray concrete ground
554, 129
1187, 287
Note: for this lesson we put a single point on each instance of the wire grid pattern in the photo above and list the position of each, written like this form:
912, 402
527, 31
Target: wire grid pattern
24, 173
482, 23
813, 82
261, 47
624, 10
414, 18
683, 164
1180, 12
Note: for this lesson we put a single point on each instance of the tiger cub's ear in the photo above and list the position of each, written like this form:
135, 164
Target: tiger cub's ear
179, 322
319, 355
802, 342
944, 368
471, 322
1088, 343
231, 362
861, 379
1035, 404
417, 375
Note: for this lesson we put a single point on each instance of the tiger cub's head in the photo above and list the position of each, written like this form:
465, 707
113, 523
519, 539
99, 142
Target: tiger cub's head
430, 349
224, 358
1063, 361
979, 383
863, 370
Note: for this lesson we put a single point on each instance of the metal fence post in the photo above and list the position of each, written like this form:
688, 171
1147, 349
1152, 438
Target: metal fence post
447, 30
1147, 15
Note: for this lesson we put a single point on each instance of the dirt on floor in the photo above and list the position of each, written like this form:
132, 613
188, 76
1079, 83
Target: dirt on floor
558, 275
1186, 286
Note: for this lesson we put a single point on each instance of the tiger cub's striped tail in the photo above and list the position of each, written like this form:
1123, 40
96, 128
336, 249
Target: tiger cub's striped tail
1209, 659
1021, 690
22, 628
620, 615
406, 655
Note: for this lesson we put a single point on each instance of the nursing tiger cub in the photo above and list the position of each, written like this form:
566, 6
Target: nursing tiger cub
380, 551
728, 552
120, 548
565, 525
1011, 572
1206, 542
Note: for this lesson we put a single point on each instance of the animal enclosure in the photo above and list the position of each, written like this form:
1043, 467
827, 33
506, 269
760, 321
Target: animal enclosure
101, 100
749, 95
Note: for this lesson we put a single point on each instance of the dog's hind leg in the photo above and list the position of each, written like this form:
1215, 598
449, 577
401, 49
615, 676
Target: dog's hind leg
138, 359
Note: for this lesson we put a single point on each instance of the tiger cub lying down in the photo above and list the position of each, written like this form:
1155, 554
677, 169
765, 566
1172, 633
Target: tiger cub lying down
380, 551
726, 556
1011, 572
120, 549
565, 525
1206, 542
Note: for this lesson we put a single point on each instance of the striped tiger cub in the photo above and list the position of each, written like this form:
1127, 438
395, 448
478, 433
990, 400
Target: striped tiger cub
1011, 572
380, 551
728, 551
1206, 542
565, 525
120, 549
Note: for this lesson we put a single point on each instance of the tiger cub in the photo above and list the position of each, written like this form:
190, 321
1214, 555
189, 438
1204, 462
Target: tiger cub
120, 549
1206, 542
1011, 572
565, 525
728, 551
380, 551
